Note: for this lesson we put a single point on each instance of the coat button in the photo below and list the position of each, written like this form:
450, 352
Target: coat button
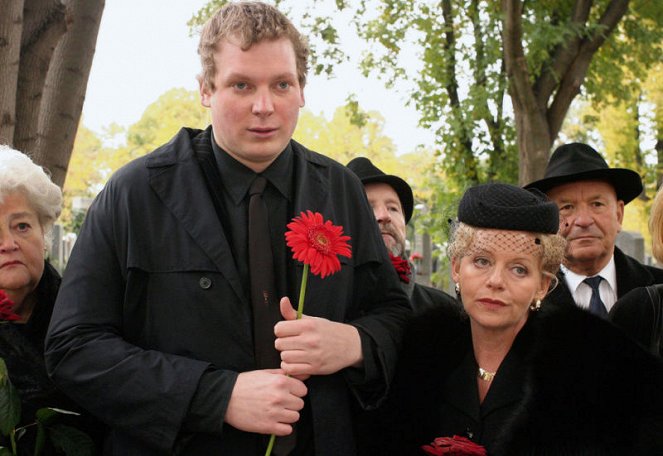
205, 283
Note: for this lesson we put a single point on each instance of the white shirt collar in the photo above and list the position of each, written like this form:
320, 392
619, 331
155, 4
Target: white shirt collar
582, 292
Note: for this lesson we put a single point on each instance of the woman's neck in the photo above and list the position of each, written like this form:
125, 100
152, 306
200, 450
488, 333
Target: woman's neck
490, 348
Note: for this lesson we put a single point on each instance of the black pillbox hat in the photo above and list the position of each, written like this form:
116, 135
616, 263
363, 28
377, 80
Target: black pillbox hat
507, 207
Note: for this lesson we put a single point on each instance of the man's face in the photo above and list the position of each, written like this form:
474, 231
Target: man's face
256, 100
590, 217
389, 214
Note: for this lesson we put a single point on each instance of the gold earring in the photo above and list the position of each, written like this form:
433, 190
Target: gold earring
535, 306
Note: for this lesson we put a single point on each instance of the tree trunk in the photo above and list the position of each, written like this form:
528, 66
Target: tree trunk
11, 23
538, 117
533, 137
65, 87
43, 27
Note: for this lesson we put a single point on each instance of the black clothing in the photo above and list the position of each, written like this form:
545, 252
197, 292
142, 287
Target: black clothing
506, 207
153, 304
571, 384
635, 314
22, 349
423, 298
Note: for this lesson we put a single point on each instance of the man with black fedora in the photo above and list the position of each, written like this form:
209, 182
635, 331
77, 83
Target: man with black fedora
392, 202
591, 197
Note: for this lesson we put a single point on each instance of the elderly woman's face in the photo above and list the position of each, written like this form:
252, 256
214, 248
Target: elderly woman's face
499, 277
21, 245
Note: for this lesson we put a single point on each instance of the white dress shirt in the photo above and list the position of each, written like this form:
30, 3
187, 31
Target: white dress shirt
582, 292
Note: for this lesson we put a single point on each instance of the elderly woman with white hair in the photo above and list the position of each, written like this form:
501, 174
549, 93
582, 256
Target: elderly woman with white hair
29, 205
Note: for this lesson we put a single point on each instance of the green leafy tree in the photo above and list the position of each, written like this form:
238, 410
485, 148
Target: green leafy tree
343, 140
85, 175
160, 121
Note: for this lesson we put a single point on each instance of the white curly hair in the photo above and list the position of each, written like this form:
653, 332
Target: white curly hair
18, 173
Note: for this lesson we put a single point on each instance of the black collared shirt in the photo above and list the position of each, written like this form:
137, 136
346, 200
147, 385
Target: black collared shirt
236, 179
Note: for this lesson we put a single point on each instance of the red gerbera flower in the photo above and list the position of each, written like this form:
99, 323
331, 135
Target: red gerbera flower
402, 267
317, 243
7, 308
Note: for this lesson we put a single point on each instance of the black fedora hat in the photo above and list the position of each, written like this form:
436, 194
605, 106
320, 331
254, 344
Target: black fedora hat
578, 162
369, 173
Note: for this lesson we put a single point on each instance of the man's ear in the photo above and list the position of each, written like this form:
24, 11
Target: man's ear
204, 91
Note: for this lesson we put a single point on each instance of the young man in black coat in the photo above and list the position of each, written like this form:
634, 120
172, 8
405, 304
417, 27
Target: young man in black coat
153, 330
392, 202
591, 197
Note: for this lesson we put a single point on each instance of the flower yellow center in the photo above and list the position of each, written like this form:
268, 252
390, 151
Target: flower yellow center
319, 240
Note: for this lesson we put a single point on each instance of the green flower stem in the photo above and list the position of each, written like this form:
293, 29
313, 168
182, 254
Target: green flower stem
271, 445
300, 312
302, 292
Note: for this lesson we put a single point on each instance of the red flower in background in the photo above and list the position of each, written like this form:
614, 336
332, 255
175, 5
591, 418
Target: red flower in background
317, 243
402, 267
7, 308
456, 445
416, 256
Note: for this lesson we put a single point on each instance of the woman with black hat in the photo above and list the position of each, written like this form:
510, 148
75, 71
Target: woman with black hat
508, 377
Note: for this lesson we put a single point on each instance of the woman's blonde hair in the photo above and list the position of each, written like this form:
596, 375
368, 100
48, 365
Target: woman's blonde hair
551, 246
656, 226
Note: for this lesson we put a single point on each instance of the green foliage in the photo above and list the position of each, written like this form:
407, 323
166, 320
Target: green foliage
10, 404
66, 439
342, 139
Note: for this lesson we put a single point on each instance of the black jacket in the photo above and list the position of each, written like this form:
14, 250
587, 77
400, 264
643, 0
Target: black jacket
22, 349
151, 300
571, 384
630, 274
424, 298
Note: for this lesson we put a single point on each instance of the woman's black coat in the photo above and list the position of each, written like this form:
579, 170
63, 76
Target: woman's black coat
571, 384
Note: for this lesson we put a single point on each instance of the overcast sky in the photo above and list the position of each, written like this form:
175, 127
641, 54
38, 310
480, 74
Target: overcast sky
144, 49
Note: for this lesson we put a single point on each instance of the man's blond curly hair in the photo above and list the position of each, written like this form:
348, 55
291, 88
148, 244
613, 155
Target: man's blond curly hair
249, 23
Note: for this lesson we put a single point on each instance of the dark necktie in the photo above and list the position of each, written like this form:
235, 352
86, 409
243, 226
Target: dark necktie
596, 306
263, 294
261, 272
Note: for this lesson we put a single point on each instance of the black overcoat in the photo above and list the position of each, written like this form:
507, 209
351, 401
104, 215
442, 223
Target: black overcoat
151, 300
571, 384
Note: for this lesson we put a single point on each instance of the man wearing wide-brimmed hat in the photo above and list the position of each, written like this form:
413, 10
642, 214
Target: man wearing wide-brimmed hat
591, 198
392, 202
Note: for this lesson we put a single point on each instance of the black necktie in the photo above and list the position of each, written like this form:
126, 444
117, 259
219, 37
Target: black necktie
263, 294
596, 306
261, 272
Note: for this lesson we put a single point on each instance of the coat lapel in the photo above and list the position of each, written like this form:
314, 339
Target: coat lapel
176, 177
311, 193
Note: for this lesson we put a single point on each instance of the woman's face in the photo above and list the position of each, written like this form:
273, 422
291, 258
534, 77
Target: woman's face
499, 277
21, 246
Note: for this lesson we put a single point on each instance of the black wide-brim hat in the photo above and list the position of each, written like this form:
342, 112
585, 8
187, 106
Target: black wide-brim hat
369, 173
579, 162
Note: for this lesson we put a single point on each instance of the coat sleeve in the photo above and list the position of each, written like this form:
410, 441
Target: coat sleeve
91, 356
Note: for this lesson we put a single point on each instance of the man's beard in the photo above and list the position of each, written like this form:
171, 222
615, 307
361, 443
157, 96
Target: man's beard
398, 245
